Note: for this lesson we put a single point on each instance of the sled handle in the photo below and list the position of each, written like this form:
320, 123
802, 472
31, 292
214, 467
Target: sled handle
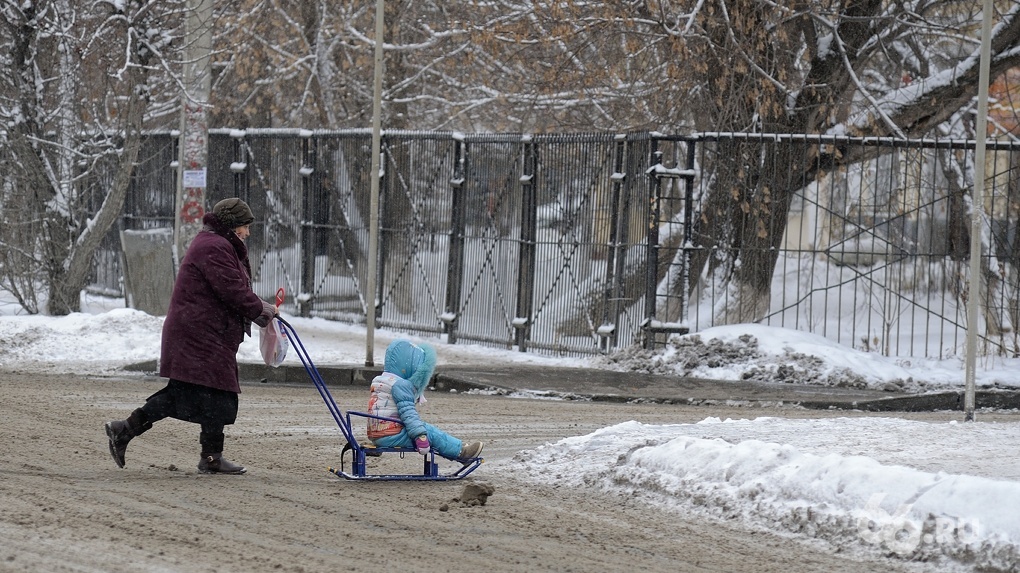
280, 294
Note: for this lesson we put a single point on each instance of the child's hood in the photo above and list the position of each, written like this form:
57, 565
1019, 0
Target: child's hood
413, 362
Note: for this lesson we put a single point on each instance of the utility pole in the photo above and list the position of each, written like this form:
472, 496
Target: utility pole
976, 213
193, 156
373, 232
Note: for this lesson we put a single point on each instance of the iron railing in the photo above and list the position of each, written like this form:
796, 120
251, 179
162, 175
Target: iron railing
579, 244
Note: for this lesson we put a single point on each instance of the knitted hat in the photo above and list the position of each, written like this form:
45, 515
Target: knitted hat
233, 213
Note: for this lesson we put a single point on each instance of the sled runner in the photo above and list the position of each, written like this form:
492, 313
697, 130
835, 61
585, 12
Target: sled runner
360, 453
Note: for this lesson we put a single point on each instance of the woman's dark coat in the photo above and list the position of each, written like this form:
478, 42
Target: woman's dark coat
211, 309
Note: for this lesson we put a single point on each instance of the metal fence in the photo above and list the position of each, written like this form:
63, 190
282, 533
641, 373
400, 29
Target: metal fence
578, 244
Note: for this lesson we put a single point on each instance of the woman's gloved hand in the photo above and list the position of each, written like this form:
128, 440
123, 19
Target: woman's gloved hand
421, 443
268, 312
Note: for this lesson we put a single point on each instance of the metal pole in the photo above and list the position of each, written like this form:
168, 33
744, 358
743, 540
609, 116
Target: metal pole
373, 227
977, 208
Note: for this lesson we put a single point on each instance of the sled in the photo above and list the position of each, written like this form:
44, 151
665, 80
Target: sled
360, 453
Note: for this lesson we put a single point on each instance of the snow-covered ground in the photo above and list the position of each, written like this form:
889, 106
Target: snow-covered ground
946, 493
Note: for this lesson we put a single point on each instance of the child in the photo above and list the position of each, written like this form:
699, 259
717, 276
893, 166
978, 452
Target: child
407, 370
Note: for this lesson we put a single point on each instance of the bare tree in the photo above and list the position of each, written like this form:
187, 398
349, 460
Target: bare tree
79, 79
845, 88
303, 63
854, 67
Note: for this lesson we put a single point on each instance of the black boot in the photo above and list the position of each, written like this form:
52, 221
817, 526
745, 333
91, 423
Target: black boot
212, 461
215, 463
120, 432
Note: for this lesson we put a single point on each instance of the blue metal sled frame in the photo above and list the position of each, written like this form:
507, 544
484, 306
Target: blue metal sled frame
359, 453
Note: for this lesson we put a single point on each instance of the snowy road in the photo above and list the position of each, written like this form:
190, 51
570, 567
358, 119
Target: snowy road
64, 505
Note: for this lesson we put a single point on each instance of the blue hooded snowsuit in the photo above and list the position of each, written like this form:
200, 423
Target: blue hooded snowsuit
407, 370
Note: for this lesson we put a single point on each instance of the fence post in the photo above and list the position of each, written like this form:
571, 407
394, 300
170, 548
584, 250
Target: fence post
455, 275
526, 262
655, 330
375, 303
608, 331
688, 245
309, 243
240, 168
652, 245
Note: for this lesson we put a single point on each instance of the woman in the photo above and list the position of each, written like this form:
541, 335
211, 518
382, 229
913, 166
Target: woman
407, 369
211, 309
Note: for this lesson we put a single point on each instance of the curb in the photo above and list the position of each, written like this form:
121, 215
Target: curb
640, 388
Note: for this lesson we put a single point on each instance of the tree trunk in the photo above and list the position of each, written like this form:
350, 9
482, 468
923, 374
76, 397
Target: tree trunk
65, 287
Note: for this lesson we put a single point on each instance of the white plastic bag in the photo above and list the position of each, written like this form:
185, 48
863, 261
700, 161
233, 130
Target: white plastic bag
273, 343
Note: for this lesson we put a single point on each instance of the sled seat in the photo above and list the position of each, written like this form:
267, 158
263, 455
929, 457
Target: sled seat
360, 453
358, 467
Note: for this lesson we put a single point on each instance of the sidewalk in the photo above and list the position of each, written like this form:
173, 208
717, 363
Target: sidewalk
602, 385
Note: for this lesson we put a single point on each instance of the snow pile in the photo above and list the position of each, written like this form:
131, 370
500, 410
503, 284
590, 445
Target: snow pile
103, 339
797, 476
106, 336
756, 353
79, 343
